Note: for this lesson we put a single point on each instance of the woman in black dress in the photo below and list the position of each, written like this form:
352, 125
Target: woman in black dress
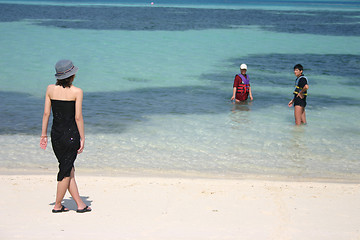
67, 132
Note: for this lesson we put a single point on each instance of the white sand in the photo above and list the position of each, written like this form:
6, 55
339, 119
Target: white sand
180, 208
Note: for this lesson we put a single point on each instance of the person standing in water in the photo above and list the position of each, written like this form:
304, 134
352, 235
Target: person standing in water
67, 132
241, 87
300, 93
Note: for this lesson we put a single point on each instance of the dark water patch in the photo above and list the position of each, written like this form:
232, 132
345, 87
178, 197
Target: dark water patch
114, 112
338, 23
20, 113
134, 107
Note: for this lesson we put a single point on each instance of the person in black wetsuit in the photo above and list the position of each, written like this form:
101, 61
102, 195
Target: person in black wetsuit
67, 132
300, 93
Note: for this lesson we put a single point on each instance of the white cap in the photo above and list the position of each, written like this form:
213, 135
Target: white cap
243, 66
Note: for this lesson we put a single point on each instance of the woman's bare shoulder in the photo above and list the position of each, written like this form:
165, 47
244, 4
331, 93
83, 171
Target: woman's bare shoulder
78, 92
76, 89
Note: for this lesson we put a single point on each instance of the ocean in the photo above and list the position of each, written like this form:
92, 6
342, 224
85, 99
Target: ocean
157, 81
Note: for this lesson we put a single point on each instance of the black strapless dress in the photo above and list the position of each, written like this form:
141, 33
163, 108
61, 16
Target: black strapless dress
65, 137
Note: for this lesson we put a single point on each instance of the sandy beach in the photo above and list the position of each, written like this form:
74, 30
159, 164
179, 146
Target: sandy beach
159, 208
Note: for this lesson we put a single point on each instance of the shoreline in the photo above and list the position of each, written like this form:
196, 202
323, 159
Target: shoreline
135, 207
354, 179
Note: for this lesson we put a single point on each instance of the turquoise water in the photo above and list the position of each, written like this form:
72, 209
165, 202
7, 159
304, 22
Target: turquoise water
157, 91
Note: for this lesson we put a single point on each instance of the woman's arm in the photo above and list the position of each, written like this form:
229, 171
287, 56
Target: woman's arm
79, 119
45, 120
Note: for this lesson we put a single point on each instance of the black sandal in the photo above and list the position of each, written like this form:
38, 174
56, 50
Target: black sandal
85, 209
61, 210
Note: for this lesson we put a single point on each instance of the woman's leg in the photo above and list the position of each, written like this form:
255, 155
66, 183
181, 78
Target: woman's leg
73, 189
62, 186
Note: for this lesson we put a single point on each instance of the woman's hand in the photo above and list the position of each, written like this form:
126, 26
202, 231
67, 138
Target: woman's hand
82, 144
43, 142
